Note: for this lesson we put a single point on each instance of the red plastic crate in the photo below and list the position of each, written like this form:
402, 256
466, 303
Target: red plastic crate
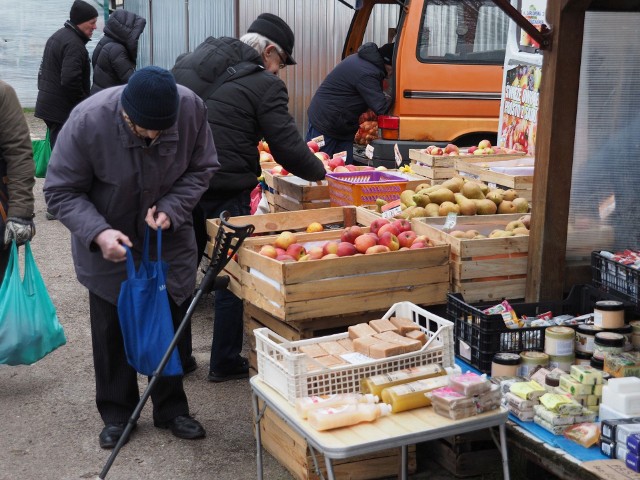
364, 188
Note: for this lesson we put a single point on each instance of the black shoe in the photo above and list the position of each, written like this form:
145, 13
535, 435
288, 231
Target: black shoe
190, 365
183, 426
241, 370
110, 434
50, 216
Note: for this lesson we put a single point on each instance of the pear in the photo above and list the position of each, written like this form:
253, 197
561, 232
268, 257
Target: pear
432, 210
521, 204
467, 207
526, 219
421, 199
472, 190
471, 234
447, 208
442, 195
506, 206
510, 195
500, 234
479, 236
458, 234
406, 197
418, 212
484, 187
423, 186
485, 207
452, 185
406, 213
496, 195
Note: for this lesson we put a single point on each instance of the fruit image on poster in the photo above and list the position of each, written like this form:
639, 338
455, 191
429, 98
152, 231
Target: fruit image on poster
534, 11
519, 116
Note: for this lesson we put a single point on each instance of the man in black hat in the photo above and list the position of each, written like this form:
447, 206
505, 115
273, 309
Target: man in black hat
64, 78
246, 101
353, 87
130, 157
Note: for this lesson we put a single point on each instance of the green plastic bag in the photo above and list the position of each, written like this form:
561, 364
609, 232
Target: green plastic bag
29, 326
41, 155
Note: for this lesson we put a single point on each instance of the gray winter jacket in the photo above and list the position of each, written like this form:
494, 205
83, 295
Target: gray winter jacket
101, 176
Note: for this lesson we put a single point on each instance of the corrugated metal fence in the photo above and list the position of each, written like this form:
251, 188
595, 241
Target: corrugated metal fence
320, 28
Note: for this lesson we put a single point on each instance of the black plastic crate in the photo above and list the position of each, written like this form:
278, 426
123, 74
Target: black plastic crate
487, 334
616, 278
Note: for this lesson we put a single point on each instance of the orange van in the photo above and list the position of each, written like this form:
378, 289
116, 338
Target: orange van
448, 69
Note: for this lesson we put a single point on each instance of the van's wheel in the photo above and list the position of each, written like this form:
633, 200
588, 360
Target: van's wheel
475, 138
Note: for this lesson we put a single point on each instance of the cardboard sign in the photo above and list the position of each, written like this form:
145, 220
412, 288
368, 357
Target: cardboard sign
319, 140
391, 209
397, 155
368, 152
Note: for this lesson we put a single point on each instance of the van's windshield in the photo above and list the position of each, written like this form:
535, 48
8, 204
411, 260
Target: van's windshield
467, 31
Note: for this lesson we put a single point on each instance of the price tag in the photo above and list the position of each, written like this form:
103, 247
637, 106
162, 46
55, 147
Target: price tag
450, 222
396, 153
391, 209
342, 154
319, 140
368, 151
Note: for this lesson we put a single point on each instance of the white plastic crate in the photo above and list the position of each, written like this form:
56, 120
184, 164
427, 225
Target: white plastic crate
282, 366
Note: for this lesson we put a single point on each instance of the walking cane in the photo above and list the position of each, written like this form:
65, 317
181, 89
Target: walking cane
228, 240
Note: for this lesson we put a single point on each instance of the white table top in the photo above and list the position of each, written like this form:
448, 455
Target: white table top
394, 430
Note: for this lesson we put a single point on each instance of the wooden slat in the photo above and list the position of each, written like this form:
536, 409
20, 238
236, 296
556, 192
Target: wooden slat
471, 269
472, 292
482, 171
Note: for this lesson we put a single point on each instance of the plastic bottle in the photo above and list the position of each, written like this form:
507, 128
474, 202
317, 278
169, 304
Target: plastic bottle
306, 404
377, 383
346, 415
408, 396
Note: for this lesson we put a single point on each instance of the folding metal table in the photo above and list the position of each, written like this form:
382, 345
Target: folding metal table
395, 430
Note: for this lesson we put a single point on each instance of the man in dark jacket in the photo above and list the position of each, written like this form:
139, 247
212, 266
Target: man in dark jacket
16, 175
114, 58
128, 157
64, 77
247, 101
352, 87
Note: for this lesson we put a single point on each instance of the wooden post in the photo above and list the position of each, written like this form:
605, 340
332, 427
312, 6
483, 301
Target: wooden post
554, 150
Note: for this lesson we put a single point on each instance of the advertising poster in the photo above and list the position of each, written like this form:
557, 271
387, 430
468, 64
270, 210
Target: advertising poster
519, 116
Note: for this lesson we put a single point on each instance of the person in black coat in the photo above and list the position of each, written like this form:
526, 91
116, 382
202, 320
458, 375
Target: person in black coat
249, 104
114, 58
64, 78
352, 87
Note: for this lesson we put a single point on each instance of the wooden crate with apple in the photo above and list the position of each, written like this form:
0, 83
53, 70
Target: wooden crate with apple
484, 266
295, 291
515, 173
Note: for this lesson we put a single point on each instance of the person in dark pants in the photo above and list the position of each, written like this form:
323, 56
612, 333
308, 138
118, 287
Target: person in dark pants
247, 101
16, 176
64, 77
151, 157
351, 88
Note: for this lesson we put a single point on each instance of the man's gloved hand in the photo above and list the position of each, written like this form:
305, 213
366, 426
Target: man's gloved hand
19, 229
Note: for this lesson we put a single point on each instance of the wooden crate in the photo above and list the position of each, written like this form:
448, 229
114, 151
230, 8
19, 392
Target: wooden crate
480, 168
468, 455
482, 269
298, 291
292, 451
438, 168
293, 193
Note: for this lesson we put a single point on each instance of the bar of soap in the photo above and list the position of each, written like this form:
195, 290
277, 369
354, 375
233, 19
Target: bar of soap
404, 325
333, 348
313, 350
624, 385
469, 383
383, 325
586, 374
385, 349
625, 403
363, 344
572, 386
408, 344
417, 335
552, 417
360, 330
555, 429
347, 344
519, 403
330, 361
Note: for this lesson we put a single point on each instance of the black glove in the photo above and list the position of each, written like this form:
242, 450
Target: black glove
19, 229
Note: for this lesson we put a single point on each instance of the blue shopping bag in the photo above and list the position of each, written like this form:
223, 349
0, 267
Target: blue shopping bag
29, 326
145, 315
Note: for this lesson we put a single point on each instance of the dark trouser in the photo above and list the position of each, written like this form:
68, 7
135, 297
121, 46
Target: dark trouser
54, 130
4, 259
332, 145
227, 332
116, 381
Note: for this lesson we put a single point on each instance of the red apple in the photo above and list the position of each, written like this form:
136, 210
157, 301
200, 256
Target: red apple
285, 258
472, 149
451, 148
277, 170
315, 227
351, 168
377, 223
402, 225
346, 249
281, 251
322, 155
315, 253
350, 234
390, 227
436, 151
389, 240
268, 251
266, 157
296, 250
423, 238
313, 146
364, 242
330, 255
341, 169
263, 146
484, 144
283, 171
377, 249
330, 247
284, 239
335, 162
407, 238
375, 237
416, 245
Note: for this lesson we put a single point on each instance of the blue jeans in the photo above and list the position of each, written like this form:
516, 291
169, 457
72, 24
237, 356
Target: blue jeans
332, 145
228, 311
